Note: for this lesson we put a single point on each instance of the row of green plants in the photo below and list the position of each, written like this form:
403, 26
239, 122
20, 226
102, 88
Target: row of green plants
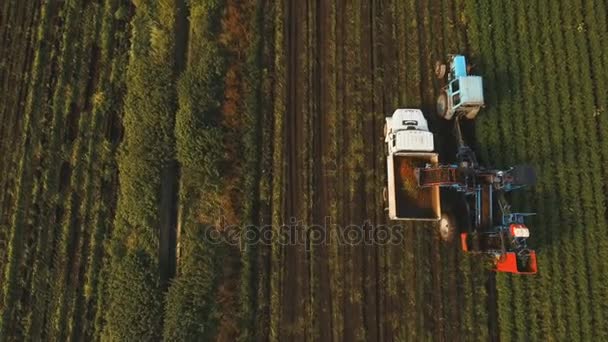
190, 304
14, 82
279, 108
133, 299
74, 230
72, 158
32, 308
594, 199
257, 139
511, 124
24, 182
79, 295
107, 103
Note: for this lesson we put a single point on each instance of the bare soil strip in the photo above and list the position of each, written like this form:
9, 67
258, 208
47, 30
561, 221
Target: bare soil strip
170, 174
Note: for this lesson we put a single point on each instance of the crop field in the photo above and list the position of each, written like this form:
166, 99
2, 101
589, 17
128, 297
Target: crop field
213, 169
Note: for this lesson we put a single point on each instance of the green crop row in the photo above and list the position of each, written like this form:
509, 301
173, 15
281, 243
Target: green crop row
11, 291
278, 162
106, 102
257, 140
74, 230
15, 70
191, 308
594, 200
532, 94
135, 301
147, 147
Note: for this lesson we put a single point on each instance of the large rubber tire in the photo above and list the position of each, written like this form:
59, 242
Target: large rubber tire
440, 70
472, 114
442, 105
447, 227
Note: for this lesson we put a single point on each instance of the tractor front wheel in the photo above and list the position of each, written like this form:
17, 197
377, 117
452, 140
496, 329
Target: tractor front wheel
442, 105
440, 69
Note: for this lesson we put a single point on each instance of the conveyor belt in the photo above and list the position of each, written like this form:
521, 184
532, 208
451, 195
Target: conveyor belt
437, 176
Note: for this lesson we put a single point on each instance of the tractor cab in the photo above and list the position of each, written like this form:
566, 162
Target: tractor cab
407, 130
463, 93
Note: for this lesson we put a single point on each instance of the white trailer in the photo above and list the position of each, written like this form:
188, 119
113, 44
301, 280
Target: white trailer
409, 146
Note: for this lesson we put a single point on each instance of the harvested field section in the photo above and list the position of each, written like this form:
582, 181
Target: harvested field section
372, 291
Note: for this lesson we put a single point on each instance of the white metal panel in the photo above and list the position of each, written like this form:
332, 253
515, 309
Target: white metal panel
471, 90
414, 140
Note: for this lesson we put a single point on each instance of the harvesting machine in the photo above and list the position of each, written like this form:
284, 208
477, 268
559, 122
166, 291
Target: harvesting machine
492, 229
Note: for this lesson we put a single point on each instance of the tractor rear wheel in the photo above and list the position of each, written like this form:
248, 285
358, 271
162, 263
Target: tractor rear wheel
440, 69
442, 105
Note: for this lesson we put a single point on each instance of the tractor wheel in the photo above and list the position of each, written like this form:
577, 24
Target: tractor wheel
440, 69
442, 105
447, 227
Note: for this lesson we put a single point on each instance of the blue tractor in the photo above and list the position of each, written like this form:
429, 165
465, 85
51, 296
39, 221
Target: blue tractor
462, 96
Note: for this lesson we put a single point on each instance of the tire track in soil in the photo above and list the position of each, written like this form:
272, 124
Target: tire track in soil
291, 285
391, 301
354, 192
321, 179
